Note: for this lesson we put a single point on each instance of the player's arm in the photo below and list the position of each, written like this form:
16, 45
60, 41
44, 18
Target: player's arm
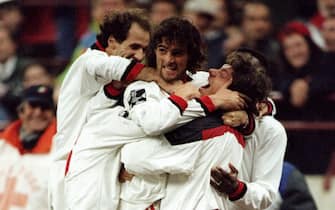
157, 156
152, 156
106, 68
157, 112
265, 178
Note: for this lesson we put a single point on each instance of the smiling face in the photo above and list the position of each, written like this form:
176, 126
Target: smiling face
171, 60
134, 46
35, 116
296, 50
217, 78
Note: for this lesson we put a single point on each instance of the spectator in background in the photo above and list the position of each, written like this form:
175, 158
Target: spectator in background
225, 36
51, 29
25, 145
300, 60
256, 26
98, 11
326, 9
322, 86
10, 72
202, 14
11, 16
36, 74
294, 191
234, 39
225, 14
328, 33
226, 23
161, 10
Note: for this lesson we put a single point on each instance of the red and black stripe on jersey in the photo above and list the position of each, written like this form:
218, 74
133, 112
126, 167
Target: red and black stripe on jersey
200, 129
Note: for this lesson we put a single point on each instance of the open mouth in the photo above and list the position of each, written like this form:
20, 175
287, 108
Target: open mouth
170, 67
206, 86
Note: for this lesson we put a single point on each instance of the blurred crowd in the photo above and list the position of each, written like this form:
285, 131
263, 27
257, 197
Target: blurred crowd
39, 40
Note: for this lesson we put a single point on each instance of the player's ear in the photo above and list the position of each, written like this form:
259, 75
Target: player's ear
112, 43
227, 73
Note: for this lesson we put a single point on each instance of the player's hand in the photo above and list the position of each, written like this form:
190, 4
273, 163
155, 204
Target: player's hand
235, 118
223, 181
124, 175
229, 100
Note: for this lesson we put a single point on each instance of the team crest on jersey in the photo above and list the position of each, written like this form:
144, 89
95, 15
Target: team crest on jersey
124, 114
137, 97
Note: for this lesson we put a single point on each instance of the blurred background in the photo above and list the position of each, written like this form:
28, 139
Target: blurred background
39, 40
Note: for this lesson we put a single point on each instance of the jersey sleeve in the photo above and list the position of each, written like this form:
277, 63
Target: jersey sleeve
106, 68
157, 156
267, 169
193, 131
157, 112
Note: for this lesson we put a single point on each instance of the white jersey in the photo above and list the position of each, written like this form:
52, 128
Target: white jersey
92, 178
262, 164
86, 76
23, 179
150, 107
187, 186
144, 102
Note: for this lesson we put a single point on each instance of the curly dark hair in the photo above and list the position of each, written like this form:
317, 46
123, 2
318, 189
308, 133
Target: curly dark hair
249, 75
117, 24
182, 32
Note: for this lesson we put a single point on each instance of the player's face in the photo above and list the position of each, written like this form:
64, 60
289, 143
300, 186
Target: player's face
135, 45
171, 60
217, 78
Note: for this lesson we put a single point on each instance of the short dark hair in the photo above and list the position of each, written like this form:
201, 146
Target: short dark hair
181, 31
249, 75
117, 24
